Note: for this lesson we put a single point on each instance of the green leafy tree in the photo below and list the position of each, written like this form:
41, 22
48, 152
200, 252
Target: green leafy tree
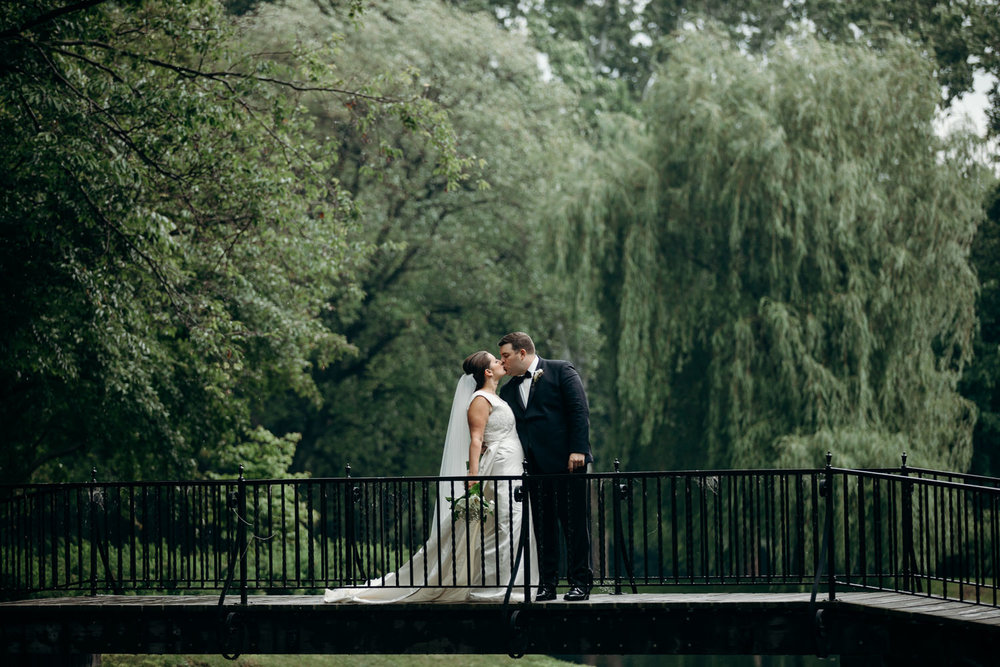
961, 36
619, 42
779, 259
609, 50
169, 235
979, 383
454, 268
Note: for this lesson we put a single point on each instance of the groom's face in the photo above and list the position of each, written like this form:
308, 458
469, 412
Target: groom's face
516, 363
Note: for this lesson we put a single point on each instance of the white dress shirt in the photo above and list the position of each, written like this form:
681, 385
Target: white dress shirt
526, 385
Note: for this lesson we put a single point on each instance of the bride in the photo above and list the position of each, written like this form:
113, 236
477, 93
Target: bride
466, 557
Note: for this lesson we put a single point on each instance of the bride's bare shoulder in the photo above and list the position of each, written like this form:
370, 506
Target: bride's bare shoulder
481, 399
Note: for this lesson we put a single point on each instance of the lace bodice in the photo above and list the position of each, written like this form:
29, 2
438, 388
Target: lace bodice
500, 425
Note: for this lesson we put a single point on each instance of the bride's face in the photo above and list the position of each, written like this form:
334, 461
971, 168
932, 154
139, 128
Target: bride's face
496, 366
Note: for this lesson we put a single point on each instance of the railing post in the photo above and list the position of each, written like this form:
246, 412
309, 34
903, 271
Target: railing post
348, 528
525, 542
621, 492
93, 531
241, 532
619, 533
909, 564
830, 545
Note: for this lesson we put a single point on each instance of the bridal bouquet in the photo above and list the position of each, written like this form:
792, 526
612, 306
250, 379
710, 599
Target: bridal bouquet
473, 504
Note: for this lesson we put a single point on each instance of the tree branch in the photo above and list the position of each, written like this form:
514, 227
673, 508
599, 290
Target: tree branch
49, 16
150, 262
222, 75
112, 124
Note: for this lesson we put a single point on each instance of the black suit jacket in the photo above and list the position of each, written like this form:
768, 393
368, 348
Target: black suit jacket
556, 422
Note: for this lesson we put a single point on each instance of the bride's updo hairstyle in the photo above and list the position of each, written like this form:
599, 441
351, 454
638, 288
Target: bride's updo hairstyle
475, 365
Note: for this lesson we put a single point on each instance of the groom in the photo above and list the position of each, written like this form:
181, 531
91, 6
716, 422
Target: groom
553, 423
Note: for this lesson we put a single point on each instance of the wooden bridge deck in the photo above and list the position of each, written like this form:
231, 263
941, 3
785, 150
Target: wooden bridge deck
899, 628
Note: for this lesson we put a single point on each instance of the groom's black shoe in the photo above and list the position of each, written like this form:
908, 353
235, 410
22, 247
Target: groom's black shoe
576, 594
545, 593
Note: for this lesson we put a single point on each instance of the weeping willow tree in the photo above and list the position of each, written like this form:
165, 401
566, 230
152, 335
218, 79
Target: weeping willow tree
778, 258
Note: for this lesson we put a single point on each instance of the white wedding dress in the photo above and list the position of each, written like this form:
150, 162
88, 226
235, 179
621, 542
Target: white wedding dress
469, 559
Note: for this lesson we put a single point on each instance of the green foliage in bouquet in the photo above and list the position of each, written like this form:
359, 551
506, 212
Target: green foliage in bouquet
473, 505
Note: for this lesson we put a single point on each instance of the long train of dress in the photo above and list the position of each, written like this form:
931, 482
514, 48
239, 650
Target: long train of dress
463, 557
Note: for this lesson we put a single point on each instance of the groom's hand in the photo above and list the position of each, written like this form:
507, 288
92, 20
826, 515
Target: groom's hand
576, 461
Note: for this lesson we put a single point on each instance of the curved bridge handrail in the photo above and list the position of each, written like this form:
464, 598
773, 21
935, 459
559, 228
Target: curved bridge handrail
904, 529
894, 475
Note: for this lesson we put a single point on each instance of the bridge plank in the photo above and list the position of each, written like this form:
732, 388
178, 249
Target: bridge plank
922, 605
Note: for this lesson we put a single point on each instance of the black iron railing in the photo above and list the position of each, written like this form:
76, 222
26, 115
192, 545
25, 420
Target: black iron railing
917, 531
903, 529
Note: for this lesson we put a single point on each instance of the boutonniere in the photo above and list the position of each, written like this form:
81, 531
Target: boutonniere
537, 374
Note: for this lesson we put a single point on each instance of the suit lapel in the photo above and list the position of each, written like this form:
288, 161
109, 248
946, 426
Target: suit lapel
534, 383
514, 395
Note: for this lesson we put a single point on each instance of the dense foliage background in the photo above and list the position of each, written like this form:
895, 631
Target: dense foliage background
268, 232
452, 269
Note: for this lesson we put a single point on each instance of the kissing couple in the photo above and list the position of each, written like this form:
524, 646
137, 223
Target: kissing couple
540, 416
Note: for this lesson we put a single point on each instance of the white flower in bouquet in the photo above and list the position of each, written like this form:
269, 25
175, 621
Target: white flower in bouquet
473, 505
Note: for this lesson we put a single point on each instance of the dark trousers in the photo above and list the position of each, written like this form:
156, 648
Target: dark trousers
561, 500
